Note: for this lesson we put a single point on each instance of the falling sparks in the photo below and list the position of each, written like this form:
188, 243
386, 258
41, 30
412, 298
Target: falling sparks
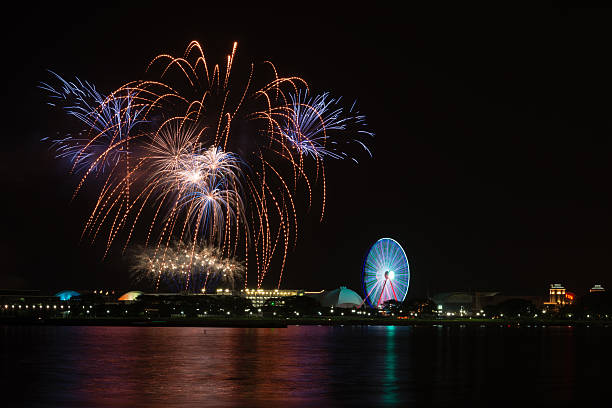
212, 165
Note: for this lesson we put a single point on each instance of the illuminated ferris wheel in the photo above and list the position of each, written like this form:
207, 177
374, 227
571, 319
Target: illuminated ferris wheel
386, 275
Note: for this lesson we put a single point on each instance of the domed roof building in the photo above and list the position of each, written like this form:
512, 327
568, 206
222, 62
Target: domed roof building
131, 295
67, 294
341, 297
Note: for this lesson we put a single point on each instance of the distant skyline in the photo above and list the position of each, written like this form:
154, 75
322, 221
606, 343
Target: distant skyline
491, 156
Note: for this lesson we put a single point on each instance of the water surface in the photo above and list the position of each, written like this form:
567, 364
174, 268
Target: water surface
303, 366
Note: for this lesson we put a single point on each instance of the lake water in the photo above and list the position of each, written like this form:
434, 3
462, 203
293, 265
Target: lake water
303, 366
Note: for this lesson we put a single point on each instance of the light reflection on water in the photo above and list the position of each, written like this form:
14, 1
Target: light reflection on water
389, 391
300, 366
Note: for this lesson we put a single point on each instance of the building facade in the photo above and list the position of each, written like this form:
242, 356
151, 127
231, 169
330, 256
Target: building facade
559, 296
259, 296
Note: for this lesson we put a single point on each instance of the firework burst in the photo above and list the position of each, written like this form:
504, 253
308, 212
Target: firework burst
181, 267
321, 127
203, 162
107, 122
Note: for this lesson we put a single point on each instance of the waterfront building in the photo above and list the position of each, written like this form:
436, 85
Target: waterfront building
474, 303
556, 294
342, 297
67, 294
130, 296
29, 303
559, 296
259, 296
454, 303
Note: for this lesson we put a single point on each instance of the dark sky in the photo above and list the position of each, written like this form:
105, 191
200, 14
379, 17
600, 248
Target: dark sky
491, 156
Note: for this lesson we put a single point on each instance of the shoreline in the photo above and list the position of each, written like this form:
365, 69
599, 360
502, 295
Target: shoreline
258, 322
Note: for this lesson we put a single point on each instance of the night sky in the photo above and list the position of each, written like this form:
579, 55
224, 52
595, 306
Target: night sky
491, 157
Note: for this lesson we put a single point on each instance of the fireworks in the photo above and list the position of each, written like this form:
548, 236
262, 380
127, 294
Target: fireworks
311, 121
198, 160
107, 120
181, 267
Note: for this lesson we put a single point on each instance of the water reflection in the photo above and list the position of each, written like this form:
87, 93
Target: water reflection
299, 366
389, 391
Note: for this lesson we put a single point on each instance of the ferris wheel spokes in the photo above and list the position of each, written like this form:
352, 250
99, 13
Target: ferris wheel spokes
386, 274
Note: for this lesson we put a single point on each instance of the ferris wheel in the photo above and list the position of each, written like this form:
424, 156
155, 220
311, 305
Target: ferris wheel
386, 274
